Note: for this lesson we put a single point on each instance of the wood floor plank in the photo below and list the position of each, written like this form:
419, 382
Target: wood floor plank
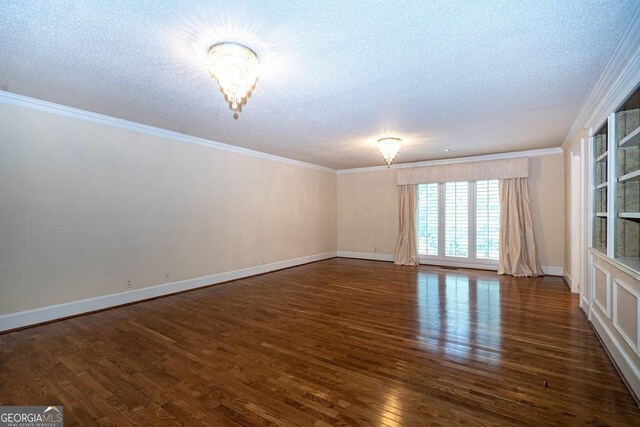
338, 342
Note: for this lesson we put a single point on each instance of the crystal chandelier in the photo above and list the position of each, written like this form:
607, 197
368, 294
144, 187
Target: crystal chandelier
235, 68
389, 147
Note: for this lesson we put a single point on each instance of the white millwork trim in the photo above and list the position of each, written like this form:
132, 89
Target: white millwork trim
584, 305
63, 110
584, 268
46, 314
633, 273
635, 294
611, 189
617, 352
605, 306
484, 157
550, 270
366, 255
373, 256
567, 277
620, 77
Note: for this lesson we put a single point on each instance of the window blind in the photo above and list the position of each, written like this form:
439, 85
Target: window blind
487, 219
456, 235
428, 219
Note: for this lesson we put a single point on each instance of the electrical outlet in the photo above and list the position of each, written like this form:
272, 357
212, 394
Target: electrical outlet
127, 284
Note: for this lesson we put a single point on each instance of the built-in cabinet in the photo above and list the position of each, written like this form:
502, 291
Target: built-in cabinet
627, 190
612, 297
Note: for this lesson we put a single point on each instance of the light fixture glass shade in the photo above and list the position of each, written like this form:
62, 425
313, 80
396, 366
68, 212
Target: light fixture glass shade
235, 68
389, 147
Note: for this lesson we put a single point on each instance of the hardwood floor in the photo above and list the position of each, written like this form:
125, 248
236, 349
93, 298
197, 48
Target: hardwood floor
337, 342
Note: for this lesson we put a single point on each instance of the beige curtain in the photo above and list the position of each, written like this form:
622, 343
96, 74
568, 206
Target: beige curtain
406, 250
517, 244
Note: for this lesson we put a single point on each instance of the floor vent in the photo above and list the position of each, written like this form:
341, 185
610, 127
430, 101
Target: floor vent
448, 268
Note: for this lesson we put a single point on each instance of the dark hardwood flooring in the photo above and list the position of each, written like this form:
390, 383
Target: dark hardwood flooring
337, 342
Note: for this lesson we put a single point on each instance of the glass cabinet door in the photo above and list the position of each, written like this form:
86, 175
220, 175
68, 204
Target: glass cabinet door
627, 190
601, 161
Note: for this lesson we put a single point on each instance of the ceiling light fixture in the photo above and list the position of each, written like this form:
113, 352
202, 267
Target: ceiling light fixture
235, 68
389, 147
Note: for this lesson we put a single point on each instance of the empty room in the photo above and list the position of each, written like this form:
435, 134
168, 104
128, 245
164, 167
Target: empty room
319, 213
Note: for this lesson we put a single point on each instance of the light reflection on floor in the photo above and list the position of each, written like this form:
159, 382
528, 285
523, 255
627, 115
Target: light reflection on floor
459, 315
391, 414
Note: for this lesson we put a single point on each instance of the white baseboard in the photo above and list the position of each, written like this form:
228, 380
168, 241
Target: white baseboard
53, 312
622, 359
584, 305
366, 255
549, 270
567, 277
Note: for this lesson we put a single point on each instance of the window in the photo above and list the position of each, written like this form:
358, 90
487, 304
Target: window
459, 221
428, 217
456, 236
487, 219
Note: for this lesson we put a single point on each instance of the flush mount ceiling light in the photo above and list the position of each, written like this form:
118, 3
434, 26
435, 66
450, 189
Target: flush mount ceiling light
235, 68
389, 147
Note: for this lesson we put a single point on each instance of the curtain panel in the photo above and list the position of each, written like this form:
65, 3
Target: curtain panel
517, 255
407, 247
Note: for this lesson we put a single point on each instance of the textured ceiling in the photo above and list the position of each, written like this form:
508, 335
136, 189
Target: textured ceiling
473, 77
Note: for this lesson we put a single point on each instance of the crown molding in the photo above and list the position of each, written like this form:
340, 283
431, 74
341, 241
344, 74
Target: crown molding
76, 113
482, 158
65, 111
619, 78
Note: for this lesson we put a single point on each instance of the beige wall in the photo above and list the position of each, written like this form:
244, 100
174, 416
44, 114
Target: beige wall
86, 207
546, 177
368, 210
89, 206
